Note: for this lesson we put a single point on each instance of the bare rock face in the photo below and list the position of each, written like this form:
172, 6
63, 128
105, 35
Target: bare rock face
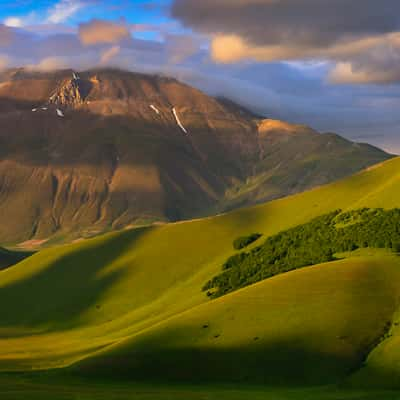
70, 94
118, 156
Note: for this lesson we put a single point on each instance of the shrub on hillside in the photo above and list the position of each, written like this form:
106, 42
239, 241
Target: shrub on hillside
312, 243
234, 261
244, 241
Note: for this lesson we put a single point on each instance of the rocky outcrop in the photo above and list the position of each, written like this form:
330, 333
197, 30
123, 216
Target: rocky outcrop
71, 93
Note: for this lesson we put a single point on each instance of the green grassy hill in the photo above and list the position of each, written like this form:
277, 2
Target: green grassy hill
305, 327
134, 298
382, 368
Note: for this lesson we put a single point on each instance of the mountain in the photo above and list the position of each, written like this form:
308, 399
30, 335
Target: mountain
84, 153
130, 304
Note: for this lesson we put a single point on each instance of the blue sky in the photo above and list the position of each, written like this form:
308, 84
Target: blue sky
134, 11
329, 64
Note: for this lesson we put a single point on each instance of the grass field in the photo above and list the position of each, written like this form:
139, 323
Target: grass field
130, 303
310, 326
50, 388
382, 368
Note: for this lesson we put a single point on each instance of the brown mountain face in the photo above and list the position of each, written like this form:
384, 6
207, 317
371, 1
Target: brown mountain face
104, 149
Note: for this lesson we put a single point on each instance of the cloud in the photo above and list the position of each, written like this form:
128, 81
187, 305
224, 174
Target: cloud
51, 18
64, 10
49, 64
306, 22
180, 47
348, 33
98, 31
350, 73
375, 62
29, 47
233, 48
296, 91
78, 62
109, 54
13, 22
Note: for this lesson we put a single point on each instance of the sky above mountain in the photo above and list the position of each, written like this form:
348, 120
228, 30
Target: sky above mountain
332, 64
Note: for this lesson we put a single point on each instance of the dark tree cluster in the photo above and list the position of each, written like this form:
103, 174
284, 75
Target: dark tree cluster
244, 241
312, 243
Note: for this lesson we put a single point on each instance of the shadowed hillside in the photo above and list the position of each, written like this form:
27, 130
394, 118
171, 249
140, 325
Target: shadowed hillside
9, 258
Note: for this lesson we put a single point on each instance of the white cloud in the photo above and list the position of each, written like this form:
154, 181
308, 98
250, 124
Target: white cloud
13, 22
64, 10
48, 18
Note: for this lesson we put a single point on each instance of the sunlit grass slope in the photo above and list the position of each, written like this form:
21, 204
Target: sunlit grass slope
305, 327
50, 387
65, 304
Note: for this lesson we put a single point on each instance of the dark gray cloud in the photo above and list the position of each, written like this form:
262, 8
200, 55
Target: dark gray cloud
180, 47
361, 36
305, 22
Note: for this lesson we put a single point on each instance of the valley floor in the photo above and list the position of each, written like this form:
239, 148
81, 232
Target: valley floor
26, 387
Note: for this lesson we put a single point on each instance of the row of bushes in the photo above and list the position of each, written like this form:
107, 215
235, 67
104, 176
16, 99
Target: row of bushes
312, 243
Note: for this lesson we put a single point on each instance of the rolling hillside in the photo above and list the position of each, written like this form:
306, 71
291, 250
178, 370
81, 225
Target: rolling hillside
302, 328
92, 306
101, 150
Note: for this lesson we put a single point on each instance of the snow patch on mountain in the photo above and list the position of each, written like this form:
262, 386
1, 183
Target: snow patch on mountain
154, 108
178, 121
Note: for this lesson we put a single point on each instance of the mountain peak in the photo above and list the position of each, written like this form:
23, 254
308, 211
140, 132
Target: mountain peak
108, 148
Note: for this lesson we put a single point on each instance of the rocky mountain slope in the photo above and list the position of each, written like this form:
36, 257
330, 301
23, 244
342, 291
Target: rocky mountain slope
82, 153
